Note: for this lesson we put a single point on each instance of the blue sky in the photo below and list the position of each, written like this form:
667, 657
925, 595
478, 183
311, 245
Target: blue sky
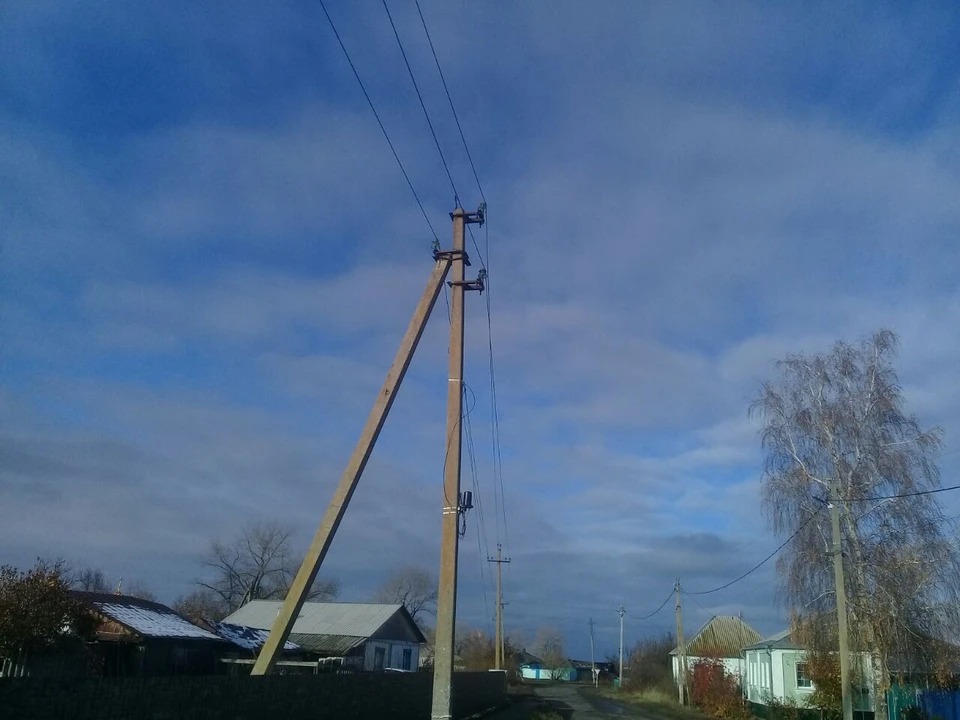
208, 257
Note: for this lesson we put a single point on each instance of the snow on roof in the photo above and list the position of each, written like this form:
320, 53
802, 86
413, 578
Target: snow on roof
246, 637
351, 619
146, 618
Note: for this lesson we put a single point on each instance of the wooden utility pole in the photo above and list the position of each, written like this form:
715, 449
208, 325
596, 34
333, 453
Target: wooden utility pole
593, 661
622, 612
682, 648
449, 547
351, 475
845, 695
498, 650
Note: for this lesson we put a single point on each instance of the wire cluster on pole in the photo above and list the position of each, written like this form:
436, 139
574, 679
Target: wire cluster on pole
502, 535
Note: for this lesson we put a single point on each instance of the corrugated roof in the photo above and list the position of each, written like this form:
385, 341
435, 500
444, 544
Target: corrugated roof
723, 636
328, 645
146, 618
245, 637
781, 640
345, 619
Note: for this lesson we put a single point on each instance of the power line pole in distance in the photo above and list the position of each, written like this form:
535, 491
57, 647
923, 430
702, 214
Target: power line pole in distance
498, 648
622, 612
593, 661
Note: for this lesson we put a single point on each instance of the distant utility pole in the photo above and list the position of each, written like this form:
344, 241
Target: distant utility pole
622, 612
452, 506
846, 698
593, 662
498, 649
682, 647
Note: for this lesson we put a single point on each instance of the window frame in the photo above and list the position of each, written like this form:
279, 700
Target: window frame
801, 672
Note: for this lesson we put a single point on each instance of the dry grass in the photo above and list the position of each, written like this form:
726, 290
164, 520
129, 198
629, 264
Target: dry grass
657, 704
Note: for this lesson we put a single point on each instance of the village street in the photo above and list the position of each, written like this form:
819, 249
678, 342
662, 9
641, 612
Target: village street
572, 701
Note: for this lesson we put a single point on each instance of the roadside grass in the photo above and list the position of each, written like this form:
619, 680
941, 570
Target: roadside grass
657, 704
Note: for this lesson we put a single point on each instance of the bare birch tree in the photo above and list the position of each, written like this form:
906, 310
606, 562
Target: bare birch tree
258, 564
835, 430
412, 587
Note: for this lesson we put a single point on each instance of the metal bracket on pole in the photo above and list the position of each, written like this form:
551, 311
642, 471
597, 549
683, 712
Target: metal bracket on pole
479, 284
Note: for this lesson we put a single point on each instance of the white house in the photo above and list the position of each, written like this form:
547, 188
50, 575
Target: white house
724, 637
776, 668
364, 636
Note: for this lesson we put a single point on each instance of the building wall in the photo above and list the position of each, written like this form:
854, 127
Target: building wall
392, 654
757, 678
731, 665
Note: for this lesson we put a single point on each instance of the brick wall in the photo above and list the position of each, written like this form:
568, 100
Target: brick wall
400, 696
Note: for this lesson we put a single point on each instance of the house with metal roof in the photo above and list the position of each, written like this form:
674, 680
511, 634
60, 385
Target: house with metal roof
140, 637
776, 668
724, 638
361, 636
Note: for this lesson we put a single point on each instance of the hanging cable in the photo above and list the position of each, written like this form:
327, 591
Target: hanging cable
450, 100
662, 606
456, 195
901, 495
379, 121
759, 564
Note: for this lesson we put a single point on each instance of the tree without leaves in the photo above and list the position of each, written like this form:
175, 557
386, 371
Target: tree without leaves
475, 649
257, 565
649, 664
412, 587
549, 647
835, 425
201, 604
89, 580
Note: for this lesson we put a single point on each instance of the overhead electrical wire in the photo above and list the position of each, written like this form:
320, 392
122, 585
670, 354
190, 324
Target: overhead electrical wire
450, 100
662, 606
379, 121
483, 548
500, 503
456, 195
759, 564
902, 495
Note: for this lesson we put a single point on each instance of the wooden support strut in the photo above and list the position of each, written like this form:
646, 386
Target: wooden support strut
351, 476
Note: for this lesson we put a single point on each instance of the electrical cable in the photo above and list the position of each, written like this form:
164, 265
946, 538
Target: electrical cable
662, 606
379, 121
456, 195
759, 564
450, 100
902, 495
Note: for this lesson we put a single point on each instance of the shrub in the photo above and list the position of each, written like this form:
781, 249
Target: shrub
715, 691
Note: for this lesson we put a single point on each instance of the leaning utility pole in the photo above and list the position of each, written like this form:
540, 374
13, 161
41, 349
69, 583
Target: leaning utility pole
498, 650
450, 540
682, 648
299, 588
622, 613
846, 697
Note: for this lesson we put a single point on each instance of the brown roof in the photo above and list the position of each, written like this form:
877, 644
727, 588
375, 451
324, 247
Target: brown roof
723, 636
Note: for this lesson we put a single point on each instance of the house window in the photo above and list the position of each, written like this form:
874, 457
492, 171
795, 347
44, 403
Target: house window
379, 655
803, 680
407, 659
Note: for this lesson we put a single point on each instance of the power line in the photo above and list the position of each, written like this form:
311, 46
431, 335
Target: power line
456, 195
902, 495
450, 100
379, 121
662, 606
481, 525
759, 564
